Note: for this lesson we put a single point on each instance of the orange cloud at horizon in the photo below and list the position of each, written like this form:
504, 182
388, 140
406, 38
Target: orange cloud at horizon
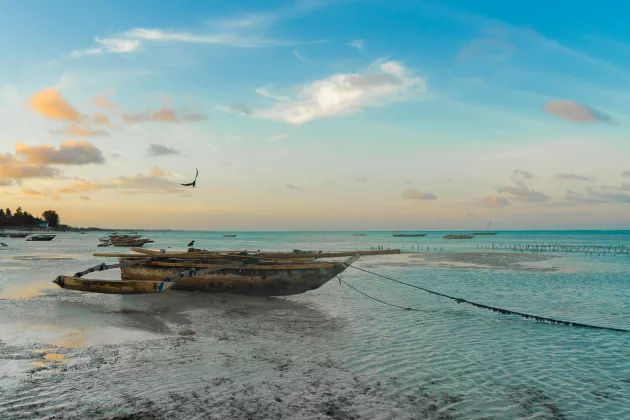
51, 104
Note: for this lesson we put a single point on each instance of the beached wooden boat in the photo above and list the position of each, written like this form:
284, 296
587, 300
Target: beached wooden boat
41, 238
143, 253
458, 236
252, 279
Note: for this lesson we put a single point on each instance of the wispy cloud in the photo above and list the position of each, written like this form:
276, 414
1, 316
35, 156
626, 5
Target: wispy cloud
160, 150
343, 94
417, 195
359, 44
165, 115
299, 56
575, 112
293, 187
523, 193
80, 131
574, 177
625, 174
495, 202
264, 92
237, 108
275, 138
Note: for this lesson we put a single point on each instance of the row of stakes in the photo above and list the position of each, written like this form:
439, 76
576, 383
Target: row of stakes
591, 250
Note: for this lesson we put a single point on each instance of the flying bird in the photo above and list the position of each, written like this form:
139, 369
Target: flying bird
191, 243
192, 184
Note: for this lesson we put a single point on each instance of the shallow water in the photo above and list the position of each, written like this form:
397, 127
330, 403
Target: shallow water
329, 353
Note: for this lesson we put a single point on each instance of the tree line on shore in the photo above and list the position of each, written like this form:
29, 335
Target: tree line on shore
19, 217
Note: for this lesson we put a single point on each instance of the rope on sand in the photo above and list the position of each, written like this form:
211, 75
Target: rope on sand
480, 305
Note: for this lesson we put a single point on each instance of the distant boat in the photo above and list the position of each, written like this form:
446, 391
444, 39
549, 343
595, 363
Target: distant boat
18, 235
41, 238
399, 234
485, 232
358, 234
458, 236
229, 236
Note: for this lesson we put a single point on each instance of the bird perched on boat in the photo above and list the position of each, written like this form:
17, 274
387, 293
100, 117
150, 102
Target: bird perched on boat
191, 243
192, 184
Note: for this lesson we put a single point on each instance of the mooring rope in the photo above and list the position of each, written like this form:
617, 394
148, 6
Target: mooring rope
480, 305
373, 298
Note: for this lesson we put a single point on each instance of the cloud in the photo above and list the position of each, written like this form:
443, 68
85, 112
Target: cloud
159, 150
574, 177
86, 52
101, 119
343, 94
102, 102
143, 184
362, 179
237, 108
495, 202
299, 56
29, 191
294, 187
575, 112
264, 92
118, 45
80, 131
157, 171
519, 176
577, 198
275, 138
51, 104
116, 155
229, 38
523, 193
167, 115
77, 186
69, 153
359, 44
12, 169
417, 195
625, 174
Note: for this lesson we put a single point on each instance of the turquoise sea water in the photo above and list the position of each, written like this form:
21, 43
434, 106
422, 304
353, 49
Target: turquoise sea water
492, 365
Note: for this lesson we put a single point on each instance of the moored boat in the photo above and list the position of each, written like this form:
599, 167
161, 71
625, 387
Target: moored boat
41, 238
18, 235
229, 236
399, 234
457, 236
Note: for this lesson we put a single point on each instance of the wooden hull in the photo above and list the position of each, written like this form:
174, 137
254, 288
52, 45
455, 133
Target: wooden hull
458, 236
41, 238
112, 286
18, 235
251, 280
484, 233
265, 255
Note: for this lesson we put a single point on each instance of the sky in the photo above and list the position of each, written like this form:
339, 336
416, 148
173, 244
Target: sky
316, 114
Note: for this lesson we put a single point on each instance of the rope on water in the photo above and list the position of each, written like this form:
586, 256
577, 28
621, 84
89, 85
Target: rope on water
491, 308
373, 298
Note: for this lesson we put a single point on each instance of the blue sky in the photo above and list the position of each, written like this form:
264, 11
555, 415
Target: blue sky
317, 114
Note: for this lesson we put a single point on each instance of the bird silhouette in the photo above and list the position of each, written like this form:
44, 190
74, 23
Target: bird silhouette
191, 243
192, 184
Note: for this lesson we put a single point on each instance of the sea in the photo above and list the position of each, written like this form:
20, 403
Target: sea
330, 353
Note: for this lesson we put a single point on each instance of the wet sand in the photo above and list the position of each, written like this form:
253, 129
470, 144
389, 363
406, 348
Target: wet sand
486, 260
225, 357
